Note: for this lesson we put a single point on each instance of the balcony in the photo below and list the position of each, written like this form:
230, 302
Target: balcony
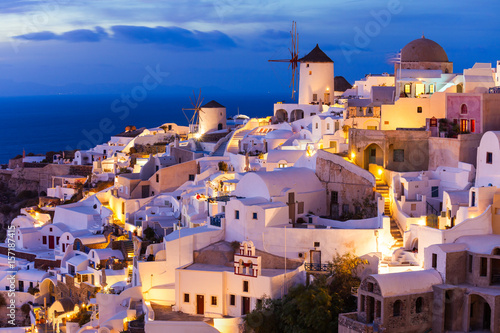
315, 267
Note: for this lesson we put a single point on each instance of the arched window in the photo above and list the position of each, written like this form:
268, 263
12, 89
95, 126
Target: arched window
396, 310
463, 109
419, 305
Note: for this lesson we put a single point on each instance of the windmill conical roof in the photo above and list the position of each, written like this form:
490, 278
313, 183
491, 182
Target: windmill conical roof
316, 55
213, 104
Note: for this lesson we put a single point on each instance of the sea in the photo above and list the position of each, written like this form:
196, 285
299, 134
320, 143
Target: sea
38, 124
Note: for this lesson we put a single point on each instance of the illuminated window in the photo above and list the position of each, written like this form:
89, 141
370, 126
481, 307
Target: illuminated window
431, 89
310, 72
472, 126
463, 125
282, 165
407, 88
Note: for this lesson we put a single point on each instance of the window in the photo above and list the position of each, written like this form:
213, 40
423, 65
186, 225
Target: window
258, 304
470, 263
307, 65
472, 126
186, 298
345, 208
71, 269
431, 89
236, 214
44, 240
157, 178
489, 158
373, 128
254, 216
419, 109
484, 266
315, 98
407, 88
191, 177
300, 208
369, 287
232, 300
396, 309
398, 155
434, 260
463, 109
317, 125
463, 125
50, 229
214, 300
435, 191
419, 305
245, 286
310, 72
157, 168
362, 303
282, 165
316, 244
327, 127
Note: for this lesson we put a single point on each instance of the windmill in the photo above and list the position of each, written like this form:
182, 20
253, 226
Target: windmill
294, 57
194, 121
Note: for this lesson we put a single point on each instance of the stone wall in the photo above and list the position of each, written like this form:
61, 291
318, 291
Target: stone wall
354, 186
78, 294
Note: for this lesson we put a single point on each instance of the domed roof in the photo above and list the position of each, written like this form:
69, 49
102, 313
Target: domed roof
423, 50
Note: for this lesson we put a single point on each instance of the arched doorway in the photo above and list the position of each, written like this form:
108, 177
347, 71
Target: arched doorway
479, 313
281, 115
296, 114
373, 154
219, 127
47, 291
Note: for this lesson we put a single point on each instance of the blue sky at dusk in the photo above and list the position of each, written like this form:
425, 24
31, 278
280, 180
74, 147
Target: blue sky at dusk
82, 46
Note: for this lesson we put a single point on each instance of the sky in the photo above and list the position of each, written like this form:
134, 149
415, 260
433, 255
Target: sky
96, 46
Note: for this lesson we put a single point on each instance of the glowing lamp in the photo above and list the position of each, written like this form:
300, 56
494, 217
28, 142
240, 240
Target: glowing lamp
380, 172
353, 155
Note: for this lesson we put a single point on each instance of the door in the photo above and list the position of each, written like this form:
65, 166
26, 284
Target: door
21, 285
51, 242
316, 260
327, 98
291, 206
145, 191
200, 304
373, 156
245, 305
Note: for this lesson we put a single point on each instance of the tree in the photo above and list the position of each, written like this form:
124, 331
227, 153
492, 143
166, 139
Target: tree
223, 166
311, 308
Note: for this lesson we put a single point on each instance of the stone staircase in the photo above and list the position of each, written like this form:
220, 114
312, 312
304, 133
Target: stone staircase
383, 189
233, 144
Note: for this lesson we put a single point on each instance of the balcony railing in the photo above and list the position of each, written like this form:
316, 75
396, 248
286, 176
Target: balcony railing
216, 220
315, 267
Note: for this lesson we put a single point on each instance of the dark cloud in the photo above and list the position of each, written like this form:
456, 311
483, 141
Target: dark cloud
139, 34
80, 35
172, 36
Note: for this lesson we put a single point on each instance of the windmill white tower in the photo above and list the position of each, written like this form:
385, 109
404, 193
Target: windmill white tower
212, 117
316, 82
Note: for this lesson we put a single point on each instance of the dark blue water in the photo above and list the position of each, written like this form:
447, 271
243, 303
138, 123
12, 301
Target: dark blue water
52, 123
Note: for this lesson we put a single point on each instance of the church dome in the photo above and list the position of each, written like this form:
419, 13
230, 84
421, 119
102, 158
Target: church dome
423, 50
